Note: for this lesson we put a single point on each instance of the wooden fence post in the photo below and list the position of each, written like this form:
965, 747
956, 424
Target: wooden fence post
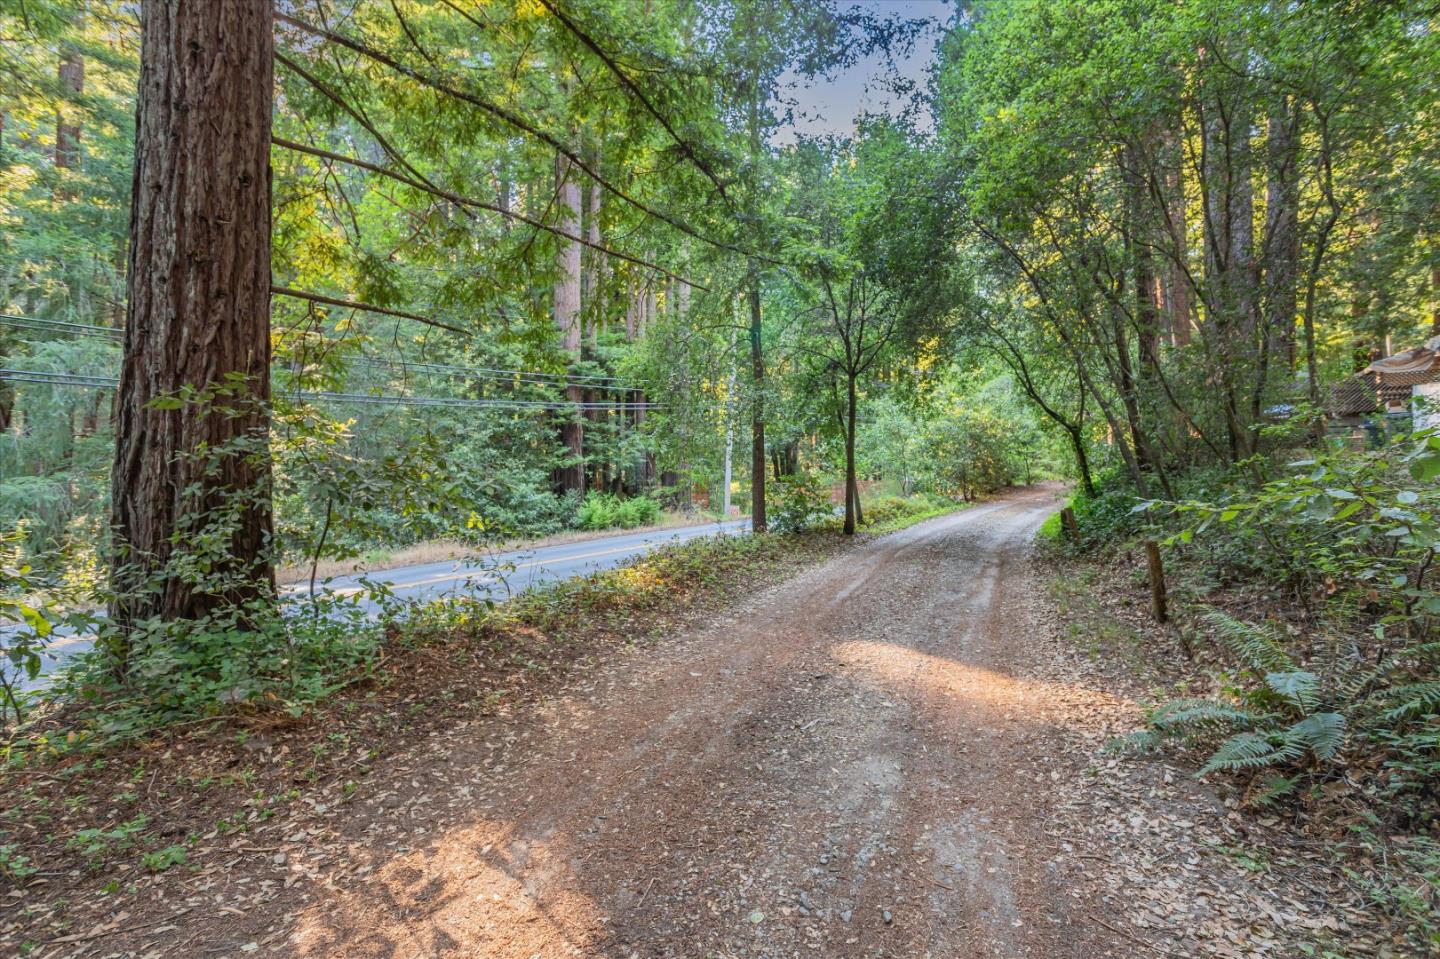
1158, 605
1067, 515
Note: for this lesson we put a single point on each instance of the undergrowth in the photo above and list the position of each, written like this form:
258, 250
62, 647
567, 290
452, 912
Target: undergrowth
607, 511
77, 809
290, 664
1302, 586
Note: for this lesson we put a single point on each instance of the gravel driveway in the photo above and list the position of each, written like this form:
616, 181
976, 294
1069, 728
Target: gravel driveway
847, 766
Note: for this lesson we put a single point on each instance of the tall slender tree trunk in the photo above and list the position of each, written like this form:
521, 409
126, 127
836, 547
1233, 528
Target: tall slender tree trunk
1147, 455
729, 424
647, 322
757, 412
852, 488
7, 392
595, 265
1082, 460
197, 315
1232, 313
1178, 309
1282, 230
1143, 236
757, 357
591, 311
570, 477
67, 134
1435, 300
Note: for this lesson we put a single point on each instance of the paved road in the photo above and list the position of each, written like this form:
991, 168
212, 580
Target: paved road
496, 575
500, 575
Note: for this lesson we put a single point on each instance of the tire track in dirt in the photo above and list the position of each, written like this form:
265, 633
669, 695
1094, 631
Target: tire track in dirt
843, 768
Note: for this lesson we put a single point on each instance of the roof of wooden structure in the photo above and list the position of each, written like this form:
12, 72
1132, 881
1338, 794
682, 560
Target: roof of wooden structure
1386, 382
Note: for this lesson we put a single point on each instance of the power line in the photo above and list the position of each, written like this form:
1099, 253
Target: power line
60, 379
514, 120
532, 377
85, 381
503, 376
58, 326
444, 194
385, 399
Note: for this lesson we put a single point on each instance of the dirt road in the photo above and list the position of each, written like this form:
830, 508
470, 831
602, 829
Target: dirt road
854, 764
897, 753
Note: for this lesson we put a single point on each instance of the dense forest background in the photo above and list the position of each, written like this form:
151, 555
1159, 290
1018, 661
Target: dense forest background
541, 319
1187, 218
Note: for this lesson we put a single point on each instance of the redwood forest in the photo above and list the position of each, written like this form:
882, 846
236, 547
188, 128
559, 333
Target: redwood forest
720, 478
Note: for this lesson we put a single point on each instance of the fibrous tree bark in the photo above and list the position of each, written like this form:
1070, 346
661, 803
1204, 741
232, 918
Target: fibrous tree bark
192, 455
1178, 310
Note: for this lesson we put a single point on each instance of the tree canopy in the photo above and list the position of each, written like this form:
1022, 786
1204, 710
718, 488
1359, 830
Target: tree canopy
524, 253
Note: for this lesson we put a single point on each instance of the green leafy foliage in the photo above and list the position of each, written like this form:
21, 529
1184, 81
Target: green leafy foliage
15, 866
1354, 526
885, 511
98, 844
607, 511
798, 502
1300, 721
160, 860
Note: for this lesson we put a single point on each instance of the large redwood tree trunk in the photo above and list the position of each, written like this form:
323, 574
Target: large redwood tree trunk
67, 134
1177, 287
197, 314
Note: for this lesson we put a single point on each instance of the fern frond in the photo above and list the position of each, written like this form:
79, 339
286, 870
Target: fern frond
1252, 750
1275, 788
1142, 742
1415, 699
1321, 733
1184, 714
1258, 646
1354, 685
1297, 687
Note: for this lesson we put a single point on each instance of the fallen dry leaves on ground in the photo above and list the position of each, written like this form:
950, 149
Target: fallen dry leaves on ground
899, 753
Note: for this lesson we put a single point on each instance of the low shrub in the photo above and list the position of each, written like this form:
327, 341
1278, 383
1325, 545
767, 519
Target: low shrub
797, 502
1347, 541
890, 510
1108, 515
607, 511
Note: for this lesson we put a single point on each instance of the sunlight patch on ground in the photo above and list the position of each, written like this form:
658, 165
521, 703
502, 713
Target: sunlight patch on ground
938, 678
475, 892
